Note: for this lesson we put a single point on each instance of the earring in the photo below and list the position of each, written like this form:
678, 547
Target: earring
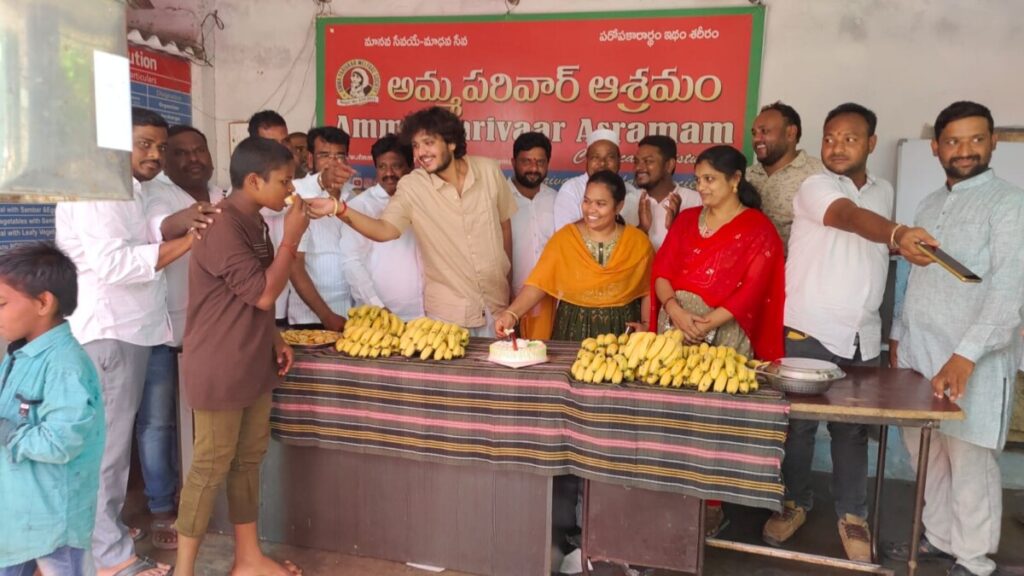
735, 188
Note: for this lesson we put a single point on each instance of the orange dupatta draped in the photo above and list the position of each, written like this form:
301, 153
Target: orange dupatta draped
566, 271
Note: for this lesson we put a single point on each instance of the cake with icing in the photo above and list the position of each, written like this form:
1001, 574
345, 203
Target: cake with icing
528, 351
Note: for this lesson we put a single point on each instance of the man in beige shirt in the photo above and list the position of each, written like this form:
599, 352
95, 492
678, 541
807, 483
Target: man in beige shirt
460, 208
780, 167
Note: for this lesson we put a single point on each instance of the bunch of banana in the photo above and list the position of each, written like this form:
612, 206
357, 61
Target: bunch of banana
711, 368
433, 339
663, 360
611, 358
374, 317
367, 342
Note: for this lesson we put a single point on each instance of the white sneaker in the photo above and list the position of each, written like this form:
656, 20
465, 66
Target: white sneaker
572, 563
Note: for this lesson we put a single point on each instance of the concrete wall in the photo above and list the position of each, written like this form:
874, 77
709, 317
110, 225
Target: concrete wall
905, 59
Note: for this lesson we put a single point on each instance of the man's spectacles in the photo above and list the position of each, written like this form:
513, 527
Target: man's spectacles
339, 156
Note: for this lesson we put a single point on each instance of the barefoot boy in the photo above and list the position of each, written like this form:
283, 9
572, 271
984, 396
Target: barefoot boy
233, 353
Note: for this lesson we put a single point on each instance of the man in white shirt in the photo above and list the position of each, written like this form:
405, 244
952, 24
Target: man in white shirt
662, 198
386, 274
835, 279
121, 315
320, 294
602, 154
534, 222
172, 201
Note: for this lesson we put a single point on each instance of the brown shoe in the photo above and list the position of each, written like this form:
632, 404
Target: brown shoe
856, 537
782, 525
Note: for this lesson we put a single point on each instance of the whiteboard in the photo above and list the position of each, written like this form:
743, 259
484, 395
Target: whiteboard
918, 172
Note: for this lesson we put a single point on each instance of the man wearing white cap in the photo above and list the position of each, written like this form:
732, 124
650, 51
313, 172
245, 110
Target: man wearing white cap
602, 154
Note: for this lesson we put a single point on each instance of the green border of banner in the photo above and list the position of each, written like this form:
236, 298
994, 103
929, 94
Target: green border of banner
753, 68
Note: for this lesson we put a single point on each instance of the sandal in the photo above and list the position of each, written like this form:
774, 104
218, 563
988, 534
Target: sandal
900, 551
164, 536
140, 565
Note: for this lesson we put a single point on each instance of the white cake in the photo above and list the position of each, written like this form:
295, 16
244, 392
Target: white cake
529, 351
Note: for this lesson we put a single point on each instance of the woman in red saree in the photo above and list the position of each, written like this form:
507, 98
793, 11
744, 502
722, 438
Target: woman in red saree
719, 275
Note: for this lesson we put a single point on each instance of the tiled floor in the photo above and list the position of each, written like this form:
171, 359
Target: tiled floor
819, 535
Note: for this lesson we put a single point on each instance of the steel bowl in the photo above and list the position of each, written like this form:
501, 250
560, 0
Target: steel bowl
804, 376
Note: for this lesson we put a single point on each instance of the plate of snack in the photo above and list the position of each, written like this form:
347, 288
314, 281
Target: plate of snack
310, 338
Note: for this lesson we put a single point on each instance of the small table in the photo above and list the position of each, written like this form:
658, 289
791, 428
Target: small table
877, 396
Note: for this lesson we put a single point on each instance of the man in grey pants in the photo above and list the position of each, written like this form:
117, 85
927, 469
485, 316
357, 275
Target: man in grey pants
835, 277
122, 313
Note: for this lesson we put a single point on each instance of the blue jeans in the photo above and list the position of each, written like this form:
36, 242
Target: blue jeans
64, 561
156, 427
849, 446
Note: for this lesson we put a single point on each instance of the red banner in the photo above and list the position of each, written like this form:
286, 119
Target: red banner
691, 75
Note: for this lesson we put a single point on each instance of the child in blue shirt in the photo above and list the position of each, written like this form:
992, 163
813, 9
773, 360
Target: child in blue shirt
51, 419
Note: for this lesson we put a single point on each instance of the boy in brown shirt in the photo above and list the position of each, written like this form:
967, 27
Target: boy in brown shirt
233, 354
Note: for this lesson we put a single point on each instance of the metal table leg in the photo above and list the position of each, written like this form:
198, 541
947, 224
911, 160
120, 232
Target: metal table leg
585, 526
876, 516
922, 478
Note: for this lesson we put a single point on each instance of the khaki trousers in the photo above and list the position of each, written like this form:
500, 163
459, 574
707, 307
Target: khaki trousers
229, 445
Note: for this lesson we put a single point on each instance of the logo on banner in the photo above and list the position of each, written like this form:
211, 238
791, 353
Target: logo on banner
357, 82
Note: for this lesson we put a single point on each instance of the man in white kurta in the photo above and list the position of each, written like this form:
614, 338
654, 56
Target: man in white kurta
602, 154
386, 274
173, 200
965, 337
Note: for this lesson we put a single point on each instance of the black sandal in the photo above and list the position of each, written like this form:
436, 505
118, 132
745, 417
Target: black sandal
900, 551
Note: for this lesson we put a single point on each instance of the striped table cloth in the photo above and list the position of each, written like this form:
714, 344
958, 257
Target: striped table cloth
536, 419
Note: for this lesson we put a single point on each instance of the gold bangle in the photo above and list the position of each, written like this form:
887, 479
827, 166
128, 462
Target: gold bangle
892, 236
514, 315
335, 200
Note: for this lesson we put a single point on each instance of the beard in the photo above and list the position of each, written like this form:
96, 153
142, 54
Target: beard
444, 163
772, 154
529, 179
963, 174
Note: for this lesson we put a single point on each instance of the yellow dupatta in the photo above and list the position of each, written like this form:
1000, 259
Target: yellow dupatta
566, 271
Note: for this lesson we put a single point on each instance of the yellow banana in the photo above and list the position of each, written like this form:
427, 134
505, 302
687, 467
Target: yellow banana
722, 352
732, 385
695, 377
439, 351
720, 381
677, 380
642, 370
590, 344
622, 339
588, 375
703, 348
705, 383
617, 376
600, 372
744, 387
666, 379
374, 352
656, 346
426, 352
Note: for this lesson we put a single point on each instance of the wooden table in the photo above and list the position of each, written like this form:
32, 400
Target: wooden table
877, 396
